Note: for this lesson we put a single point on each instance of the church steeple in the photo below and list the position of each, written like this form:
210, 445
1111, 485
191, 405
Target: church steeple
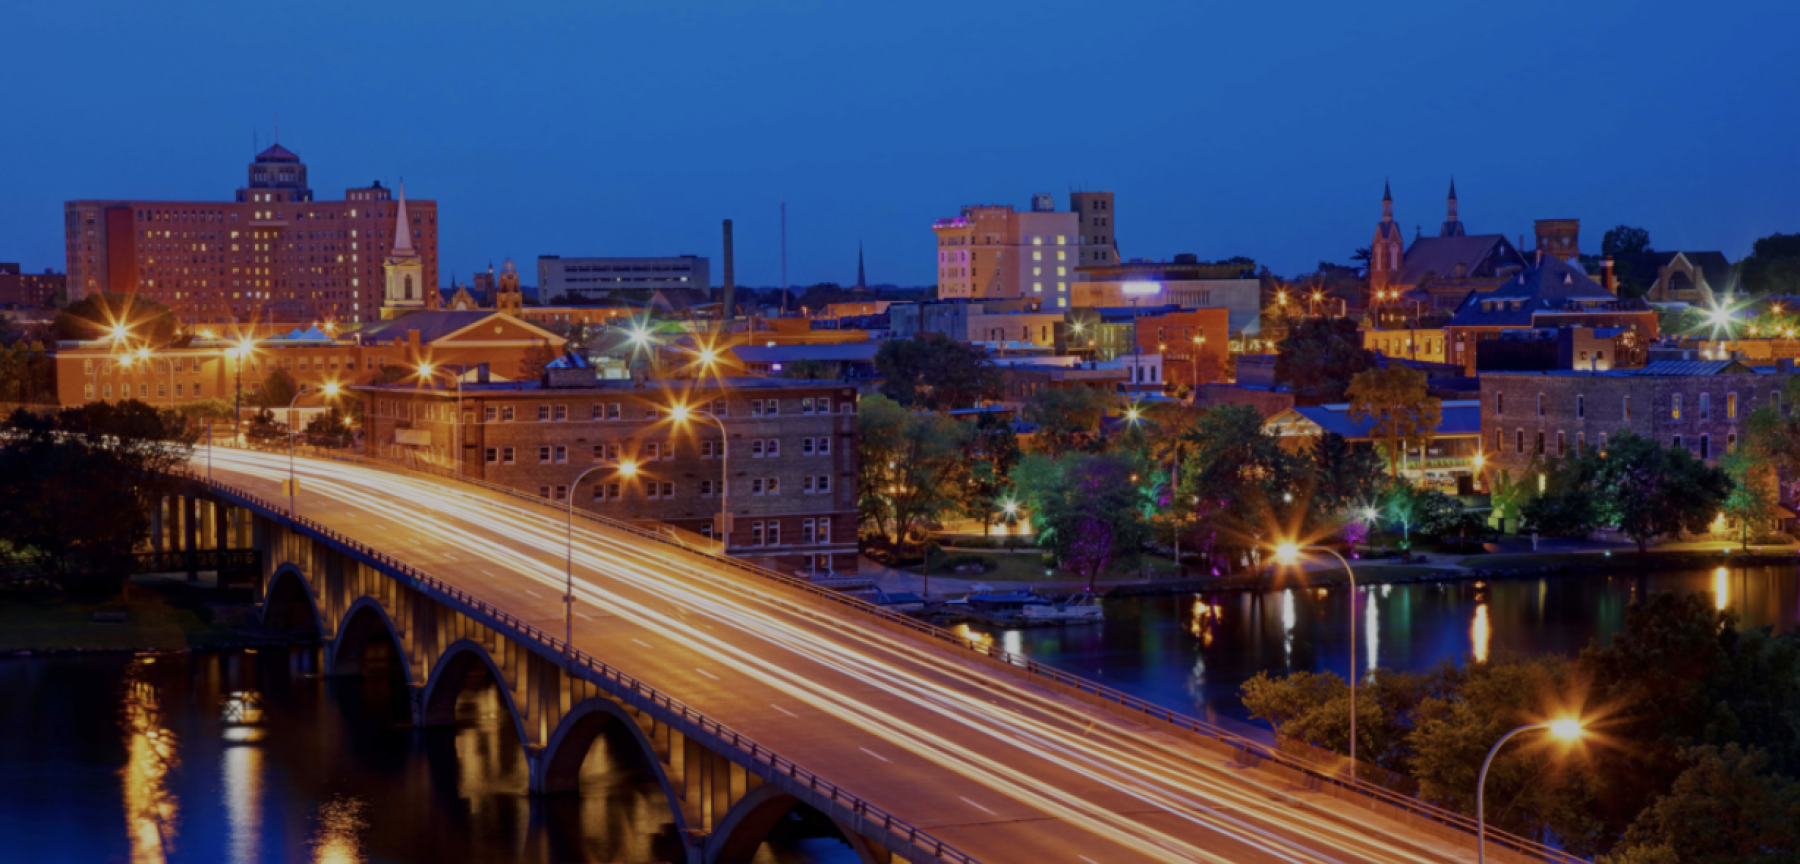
1387, 202
406, 290
1386, 250
1453, 226
861, 279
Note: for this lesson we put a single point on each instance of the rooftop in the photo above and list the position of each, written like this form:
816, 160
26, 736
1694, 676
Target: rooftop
609, 385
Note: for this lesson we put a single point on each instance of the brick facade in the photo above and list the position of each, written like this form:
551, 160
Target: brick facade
1526, 414
654, 469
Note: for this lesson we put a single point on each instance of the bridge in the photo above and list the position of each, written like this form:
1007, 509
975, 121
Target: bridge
748, 693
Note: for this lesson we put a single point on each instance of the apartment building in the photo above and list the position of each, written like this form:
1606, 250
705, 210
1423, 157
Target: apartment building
995, 252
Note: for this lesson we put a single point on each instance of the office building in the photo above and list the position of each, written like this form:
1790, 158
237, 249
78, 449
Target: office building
32, 290
993, 252
273, 253
581, 280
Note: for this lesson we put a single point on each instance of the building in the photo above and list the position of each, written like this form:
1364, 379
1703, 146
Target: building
1183, 282
1428, 345
1027, 327
30, 290
1195, 344
844, 361
1691, 278
1583, 349
1097, 333
1439, 270
1099, 246
273, 253
588, 279
948, 317
1703, 405
995, 252
1447, 461
1549, 294
791, 445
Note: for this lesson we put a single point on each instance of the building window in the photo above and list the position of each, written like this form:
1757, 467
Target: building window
756, 448
1580, 442
706, 488
824, 484
1499, 441
607, 491
1559, 443
668, 450
613, 411
756, 533
824, 446
651, 412
719, 408
1540, 405
1731, 443
1705, 446
806, 531
562, 493
1603, 442
756, 407
1706, 406
774, 448
506, 455
806, 406
711, 449
652, 451
87, 391
562, 454
493, 455
543, 413
490, 414
1731, 406
756, 486
1675, 407
561, 413
1581, 406
774, 535
506, 413
1676, 442
544, 455
1519, 441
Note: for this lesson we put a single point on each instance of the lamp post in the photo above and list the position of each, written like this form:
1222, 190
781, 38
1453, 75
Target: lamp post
1568, 730
330, 390
426, 371
626, 469
681, 413
1289, 553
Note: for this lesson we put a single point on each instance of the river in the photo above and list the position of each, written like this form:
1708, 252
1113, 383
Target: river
252, 757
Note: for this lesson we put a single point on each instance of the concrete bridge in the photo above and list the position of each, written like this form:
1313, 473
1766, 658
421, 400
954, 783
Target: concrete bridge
933, 746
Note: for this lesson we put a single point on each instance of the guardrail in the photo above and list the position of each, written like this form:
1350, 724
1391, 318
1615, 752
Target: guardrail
747, 748
1136, 705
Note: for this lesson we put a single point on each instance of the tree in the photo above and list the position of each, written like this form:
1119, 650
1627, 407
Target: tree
1567, 508
911, 467
1346, 476
27, 374
1623, 240
1319, 356
1063, 416
936, 373
1773, 266
991, 453
1244, 487
118, 455
531, 365
1725, 809
1092, 518
1774, 437
1399, 404
1753, 499
278, 389
95, 317
1646, 490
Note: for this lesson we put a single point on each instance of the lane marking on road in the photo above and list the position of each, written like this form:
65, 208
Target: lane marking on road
784, 710
978, 806
641, 642
489, 574
873, 753
1087, 859
449, 556
579, 615
706, 673
533, 593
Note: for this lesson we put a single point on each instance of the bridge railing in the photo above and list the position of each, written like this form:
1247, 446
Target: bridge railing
745, 747
1322, 774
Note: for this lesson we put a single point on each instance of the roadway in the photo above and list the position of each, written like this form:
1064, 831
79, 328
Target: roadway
1003, 770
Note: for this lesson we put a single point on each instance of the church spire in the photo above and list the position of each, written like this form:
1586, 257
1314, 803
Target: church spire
861, 280
402, 226
1453, 226
1387, 201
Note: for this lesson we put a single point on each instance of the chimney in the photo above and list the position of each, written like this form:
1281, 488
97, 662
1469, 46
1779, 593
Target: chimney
730, 283
1784, 365
481, 373
1606, 274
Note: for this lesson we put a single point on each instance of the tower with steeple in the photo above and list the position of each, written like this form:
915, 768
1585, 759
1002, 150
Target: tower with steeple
861, 278
508, 298
405, 290
1389, 245
1453, 226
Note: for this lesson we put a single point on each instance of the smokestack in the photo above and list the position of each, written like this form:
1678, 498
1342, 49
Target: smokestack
1606, 274
730, 283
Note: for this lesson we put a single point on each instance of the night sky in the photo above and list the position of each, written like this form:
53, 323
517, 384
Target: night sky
631, 128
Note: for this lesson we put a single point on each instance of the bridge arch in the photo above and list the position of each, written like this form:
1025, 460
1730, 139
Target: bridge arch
558, 767
289, 604
446, 680
741, 833
366, 622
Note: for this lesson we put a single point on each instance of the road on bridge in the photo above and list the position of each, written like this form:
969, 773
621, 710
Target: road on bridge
1004, 770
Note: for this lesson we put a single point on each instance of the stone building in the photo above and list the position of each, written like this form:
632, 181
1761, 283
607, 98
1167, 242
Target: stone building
1438, 271
1703, 405
1549, 294
792, 448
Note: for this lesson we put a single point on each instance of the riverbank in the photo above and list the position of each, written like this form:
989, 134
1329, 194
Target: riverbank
152, 614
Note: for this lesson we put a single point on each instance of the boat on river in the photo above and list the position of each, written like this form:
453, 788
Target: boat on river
1031, 609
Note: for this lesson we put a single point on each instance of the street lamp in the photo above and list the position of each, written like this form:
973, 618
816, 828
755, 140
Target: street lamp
1199, 345
426, 371
330, 391
1289, 553
626, 469
681, 413
1568, 730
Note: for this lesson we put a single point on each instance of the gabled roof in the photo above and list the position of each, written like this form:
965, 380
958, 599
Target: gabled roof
1459, 418
277, 153
438, 326
1550, 285
1436, 257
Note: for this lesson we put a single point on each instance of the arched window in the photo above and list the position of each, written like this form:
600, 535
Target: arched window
409, 288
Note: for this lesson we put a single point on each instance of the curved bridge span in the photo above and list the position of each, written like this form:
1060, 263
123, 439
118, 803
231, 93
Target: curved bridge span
749, 694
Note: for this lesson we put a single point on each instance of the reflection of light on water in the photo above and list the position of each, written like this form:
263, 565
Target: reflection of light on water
151, 752
1721, 589
241, 771
973, 635
1012, 642
1479, 632
1287, 626
1372, 629
336, 841
1205, 619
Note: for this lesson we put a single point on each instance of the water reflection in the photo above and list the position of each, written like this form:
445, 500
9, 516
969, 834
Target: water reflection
337, 838
152, 751
1480, 633
1721, 589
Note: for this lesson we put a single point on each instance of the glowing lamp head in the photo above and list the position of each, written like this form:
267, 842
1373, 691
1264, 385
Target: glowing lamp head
1287, 553
639, 336
679, 412
1012, 508
1567, 730
1369, 514
628, 469
708, 356
1480, 459
143, 353
119, 332
424, 368
331, 389
1141, 289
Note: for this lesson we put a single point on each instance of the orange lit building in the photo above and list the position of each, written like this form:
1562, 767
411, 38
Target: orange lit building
272, 253
1173, 335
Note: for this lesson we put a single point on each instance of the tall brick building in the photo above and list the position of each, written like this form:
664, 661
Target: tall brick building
792, 449
34, 290
1703, 405
271, 253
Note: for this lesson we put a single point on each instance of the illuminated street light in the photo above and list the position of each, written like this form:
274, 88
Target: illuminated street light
331, 391
1568, 729
681, 414
628, 469
1288, 554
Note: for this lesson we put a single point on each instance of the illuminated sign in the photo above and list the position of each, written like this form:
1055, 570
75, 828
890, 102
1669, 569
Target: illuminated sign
1139, 289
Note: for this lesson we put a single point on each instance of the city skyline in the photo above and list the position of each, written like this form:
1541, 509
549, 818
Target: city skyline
644, 157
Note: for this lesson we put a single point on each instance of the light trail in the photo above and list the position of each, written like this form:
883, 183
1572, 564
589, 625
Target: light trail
1047, 754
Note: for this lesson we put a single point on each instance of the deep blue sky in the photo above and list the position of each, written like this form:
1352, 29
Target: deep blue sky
1244, 128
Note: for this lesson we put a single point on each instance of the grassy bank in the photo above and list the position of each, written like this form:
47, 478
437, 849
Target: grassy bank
159, 616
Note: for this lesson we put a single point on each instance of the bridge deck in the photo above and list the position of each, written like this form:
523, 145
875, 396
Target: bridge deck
1003, 770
